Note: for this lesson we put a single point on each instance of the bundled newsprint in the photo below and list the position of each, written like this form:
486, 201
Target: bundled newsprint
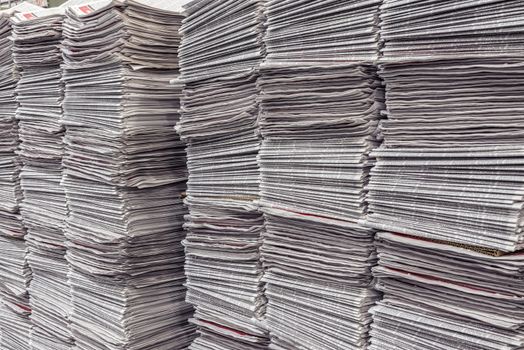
124, 174
445, 297
219, 57
320, 108
453, 154
15, 273
319, 125
447, 190
328, 31
435, 28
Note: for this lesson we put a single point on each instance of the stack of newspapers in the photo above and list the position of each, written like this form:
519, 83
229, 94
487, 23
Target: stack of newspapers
14, 269
221, 38
322, 31
36, 52
15, 310
460, 102
447, 188
320, 108
451, 28
463, 195
319, 125
124, 174
219, 57
441, 296
450, 169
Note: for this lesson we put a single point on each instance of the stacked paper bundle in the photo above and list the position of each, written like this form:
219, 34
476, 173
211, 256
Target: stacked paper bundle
14, 270
221, 38
466, 195
451, 28
341, 107
448, 188
124, 173
318, 283
322, 31
36, 37
319, 112
439, 296
15, 311
319, 125
448, 180
451, 169
454, 102
219, 58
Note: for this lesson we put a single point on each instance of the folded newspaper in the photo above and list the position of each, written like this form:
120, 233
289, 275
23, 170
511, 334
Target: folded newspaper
453, 102
36, 53
438, 296
435, 28
15, 273
446, 189
453, 155
221, 38
319, 125
124, 174
219, 58
469, 195
320, 108
327, 31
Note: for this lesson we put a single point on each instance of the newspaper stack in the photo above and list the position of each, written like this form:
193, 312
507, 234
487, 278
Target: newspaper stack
454, 102
448, 180
439, 296
451, 28
224, 227
467, 195
219, 57
319, 125
36, 37
14, 269
221, 38
322, 31
451, 169
15, 311
318, 283
124, 175
320, 109
341, 107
